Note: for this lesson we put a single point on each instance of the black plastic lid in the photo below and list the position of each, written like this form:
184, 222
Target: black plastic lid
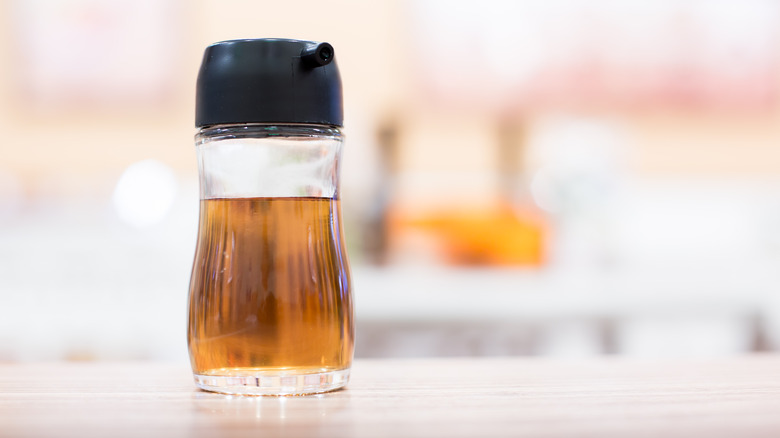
268, 81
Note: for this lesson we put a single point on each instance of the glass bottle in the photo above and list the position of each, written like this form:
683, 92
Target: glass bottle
270, 307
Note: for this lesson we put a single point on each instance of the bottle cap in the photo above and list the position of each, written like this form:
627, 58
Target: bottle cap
268, 81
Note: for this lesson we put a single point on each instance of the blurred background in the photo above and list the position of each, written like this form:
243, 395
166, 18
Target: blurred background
559, 178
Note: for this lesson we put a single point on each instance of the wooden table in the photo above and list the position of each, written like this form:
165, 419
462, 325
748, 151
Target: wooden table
606, 397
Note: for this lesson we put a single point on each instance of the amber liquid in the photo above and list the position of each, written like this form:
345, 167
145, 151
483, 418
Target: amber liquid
270, 288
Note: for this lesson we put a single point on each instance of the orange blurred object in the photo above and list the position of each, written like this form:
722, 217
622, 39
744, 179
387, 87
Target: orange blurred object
502, 235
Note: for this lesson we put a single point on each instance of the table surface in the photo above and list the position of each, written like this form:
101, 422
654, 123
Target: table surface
602, 397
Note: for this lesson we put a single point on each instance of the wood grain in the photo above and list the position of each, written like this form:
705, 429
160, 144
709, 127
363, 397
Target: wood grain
605, 397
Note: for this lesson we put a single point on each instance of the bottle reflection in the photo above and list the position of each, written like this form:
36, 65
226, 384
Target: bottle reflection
213, 413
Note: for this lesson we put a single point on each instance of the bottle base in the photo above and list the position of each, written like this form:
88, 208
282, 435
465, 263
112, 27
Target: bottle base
272, 382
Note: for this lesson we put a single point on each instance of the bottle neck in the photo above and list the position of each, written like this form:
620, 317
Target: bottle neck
268, 161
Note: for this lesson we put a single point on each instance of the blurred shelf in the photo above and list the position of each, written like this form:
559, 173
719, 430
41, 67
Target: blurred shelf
430, 294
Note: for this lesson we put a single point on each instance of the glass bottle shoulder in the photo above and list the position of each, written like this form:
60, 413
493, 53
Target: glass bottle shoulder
264, 130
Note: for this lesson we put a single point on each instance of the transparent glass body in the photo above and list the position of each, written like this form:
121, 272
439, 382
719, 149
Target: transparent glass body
270, 304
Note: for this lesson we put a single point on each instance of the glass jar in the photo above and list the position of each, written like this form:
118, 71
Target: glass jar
270, 304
